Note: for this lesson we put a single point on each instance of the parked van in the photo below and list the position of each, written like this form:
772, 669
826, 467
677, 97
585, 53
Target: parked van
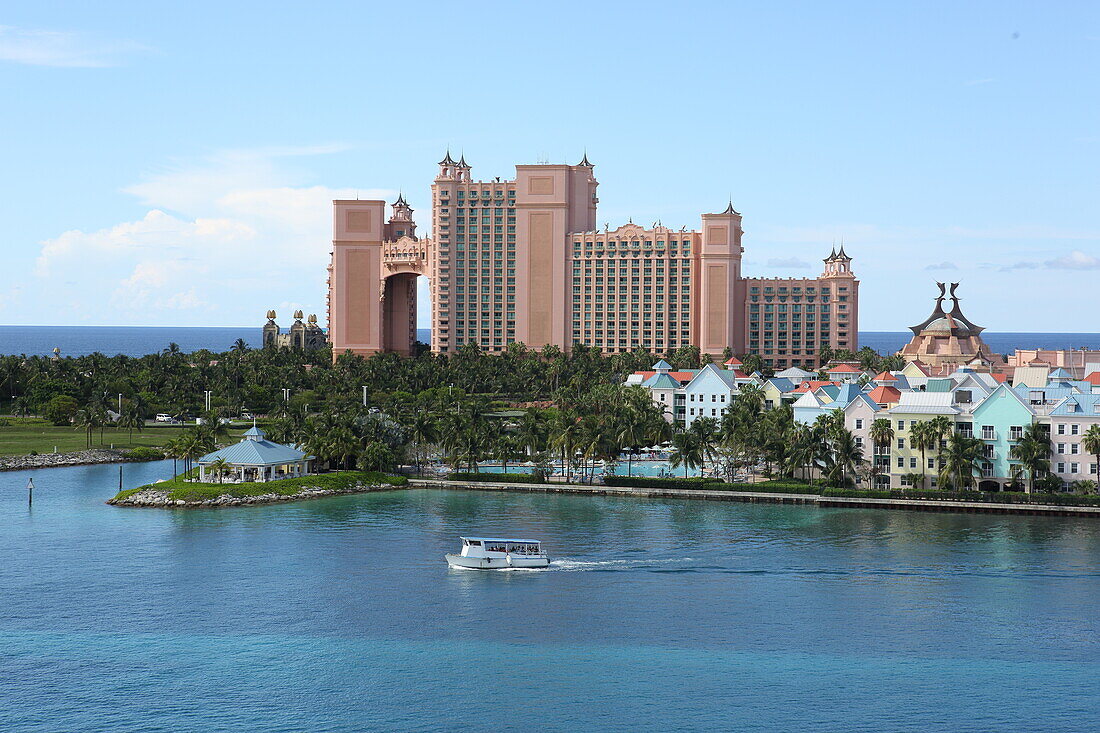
162, 417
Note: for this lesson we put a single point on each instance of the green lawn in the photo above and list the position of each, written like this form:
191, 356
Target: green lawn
22, 435
180, 489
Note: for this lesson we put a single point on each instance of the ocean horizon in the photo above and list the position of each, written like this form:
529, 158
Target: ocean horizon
142, 340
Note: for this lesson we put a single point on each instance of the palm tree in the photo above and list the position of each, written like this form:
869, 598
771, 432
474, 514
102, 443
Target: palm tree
922, 436
687, 451
90, 418
421, 430
882, 436
847, 456
632, 433
1091, 443
1032, 450
219, 467
130, 420
704, 429
239, 346
958, 463
941, 427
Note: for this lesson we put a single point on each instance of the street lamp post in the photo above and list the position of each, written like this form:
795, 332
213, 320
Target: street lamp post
207, 393
364, 395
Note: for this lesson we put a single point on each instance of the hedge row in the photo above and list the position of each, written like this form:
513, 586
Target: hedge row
997, 497
710, 484
497, 478
645, 482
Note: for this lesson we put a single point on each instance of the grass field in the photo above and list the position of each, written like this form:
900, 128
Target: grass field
178, 488
22, 435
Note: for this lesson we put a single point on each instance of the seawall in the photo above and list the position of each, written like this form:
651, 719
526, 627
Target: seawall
765, 497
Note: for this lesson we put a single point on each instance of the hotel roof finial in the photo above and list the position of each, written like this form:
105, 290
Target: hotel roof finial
730, 209
584, 161
447, 159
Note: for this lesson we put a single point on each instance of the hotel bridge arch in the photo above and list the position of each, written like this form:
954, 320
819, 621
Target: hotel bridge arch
372, 299
403, 262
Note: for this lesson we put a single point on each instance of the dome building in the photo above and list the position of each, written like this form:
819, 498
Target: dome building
947, 340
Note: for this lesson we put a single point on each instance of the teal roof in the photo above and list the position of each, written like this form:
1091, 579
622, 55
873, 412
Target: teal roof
255, 452
661, 381
254, 432
1059, 373
661, 364
942, 384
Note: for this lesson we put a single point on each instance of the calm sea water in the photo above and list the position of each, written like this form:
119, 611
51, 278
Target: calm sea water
341, 615
141, 340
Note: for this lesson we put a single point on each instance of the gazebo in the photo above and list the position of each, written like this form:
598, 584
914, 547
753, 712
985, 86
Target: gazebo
256, 458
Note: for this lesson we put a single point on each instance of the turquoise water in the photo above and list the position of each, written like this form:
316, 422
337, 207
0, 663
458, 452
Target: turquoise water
340, 615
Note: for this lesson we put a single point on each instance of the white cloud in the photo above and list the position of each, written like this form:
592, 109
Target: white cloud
945, 265
1075, 260
59, 48
220, 245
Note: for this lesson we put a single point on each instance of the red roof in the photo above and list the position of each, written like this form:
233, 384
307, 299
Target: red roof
847, 368
732, 361
679, 376
922, 366
811, 385
1002, 378
884, 394
885, 377
738, 374
1093, 378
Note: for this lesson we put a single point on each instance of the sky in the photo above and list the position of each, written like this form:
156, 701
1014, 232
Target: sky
174, 163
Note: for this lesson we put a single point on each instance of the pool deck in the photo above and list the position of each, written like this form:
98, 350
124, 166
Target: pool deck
768, 497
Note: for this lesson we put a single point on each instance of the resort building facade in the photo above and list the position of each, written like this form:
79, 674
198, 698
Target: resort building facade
522, 260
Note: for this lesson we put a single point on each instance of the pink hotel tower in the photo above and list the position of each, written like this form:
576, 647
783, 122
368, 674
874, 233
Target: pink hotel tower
523, 261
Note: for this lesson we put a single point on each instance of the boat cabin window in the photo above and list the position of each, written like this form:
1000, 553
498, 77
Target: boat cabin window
473, 543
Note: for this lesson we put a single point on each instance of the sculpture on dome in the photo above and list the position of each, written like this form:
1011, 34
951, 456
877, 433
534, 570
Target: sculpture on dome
947, 340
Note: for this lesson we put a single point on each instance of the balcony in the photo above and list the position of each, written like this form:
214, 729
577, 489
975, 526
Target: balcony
989, 434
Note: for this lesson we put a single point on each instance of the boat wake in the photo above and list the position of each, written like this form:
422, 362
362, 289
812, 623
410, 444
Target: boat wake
605, 565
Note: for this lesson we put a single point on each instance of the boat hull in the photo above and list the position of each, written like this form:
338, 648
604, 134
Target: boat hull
497, 563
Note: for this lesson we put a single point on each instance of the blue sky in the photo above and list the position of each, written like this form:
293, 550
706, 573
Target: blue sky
172, 163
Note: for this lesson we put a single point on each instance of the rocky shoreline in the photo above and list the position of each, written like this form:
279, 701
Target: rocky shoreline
151, 496
53, 460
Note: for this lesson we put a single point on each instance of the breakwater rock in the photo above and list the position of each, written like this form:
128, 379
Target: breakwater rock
151, 496
50, 460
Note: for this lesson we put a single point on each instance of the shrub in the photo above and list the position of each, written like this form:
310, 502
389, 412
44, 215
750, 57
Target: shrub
1000, 497
499, 478
142, 453
646, 482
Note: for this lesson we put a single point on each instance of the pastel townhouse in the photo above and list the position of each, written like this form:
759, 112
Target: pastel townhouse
998, 421
859, 415
686, 394
912, 408
1070, 419
710, 392
664, 384
778, 390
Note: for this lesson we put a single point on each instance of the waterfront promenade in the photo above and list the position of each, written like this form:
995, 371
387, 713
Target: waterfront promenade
927, 505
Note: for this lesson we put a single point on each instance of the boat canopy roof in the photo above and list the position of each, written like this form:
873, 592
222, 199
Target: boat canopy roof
499, 539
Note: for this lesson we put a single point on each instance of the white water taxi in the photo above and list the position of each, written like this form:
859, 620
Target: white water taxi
488, 553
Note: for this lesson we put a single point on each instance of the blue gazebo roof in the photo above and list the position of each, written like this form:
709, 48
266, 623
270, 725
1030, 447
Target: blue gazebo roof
254, 450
